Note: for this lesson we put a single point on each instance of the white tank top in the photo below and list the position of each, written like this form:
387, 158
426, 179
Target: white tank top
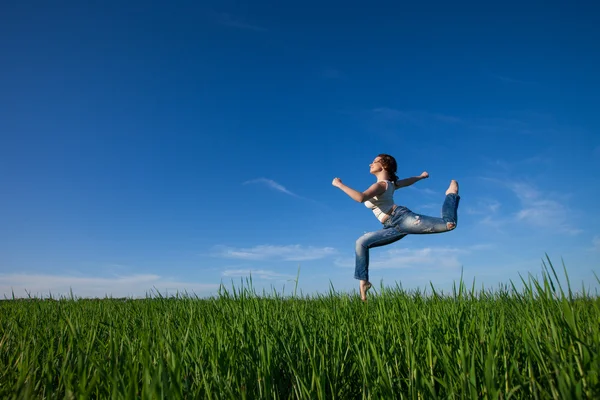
382, 204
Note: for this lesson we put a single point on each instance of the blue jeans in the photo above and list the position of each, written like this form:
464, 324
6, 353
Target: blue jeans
403, 222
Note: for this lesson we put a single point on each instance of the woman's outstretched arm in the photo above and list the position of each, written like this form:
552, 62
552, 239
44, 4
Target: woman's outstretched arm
374, 190
409, 181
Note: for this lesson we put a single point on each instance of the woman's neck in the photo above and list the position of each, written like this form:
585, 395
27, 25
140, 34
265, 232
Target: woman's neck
382, 176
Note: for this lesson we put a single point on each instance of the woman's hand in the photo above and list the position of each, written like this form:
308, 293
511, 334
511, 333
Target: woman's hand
336, 182
400, 183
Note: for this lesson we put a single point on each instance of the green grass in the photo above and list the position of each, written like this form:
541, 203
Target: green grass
540, 342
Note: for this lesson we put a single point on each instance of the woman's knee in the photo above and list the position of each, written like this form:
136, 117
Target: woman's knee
451, 225
362, 242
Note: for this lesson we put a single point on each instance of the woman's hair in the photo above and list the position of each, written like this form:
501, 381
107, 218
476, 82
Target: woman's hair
389, 164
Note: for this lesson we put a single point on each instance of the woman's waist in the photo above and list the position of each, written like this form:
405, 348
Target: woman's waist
394, 210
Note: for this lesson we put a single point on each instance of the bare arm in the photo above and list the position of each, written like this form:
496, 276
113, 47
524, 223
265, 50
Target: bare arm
374, 190
409, 181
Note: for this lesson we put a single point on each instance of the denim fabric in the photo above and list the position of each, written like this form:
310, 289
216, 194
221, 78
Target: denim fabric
403, 222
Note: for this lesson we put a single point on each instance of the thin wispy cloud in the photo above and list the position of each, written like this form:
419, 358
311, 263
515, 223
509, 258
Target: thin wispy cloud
414, 117
293, 252
483, 207
137, 285
273, 185
502, 167
528, 124
516, 123
257, 273
482, 247
508, 79
429, 206
542, 209
525, 192
538, 160
422, 258
332, 73
493, 125
596, 243
282, 189
237, 22
497, 164
427, 191
401, 258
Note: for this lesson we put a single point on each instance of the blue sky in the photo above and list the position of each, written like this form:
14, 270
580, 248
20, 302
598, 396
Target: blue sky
180, 145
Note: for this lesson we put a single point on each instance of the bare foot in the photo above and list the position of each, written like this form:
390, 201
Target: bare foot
364, 287
453, 188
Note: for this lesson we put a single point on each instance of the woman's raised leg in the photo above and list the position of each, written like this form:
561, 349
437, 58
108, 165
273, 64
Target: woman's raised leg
421, 224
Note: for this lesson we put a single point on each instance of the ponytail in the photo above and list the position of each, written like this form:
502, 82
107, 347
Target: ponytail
389, 164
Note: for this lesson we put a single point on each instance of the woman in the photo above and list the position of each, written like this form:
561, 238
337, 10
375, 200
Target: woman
398, 221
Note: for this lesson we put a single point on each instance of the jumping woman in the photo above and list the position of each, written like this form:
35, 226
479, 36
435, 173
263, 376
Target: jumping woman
398, 221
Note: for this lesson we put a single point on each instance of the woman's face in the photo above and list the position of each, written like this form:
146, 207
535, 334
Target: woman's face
376, 165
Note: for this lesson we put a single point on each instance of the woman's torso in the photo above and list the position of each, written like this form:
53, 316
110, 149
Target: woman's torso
383, 204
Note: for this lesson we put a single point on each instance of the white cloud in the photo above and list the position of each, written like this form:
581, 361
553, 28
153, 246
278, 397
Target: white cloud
481, 246
542, 209
269, 252
524, 191
258, 273
426, 257
140, 285
484, 207
440, 259
272, 184
431, 258
538, 208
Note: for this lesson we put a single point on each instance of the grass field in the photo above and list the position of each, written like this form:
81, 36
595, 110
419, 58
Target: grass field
539, 342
